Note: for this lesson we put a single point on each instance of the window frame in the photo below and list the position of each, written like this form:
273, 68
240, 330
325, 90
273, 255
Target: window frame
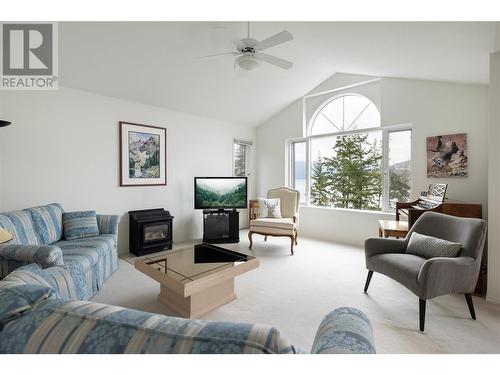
320, 108
385, 130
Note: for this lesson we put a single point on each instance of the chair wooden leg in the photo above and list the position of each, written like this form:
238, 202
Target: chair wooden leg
421, 310
292, 239
296, 236
250, 239
468, 298
265, 238
368, 279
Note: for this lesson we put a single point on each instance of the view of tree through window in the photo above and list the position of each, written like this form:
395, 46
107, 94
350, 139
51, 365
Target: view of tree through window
347, 165
239, 159
399, 167
346, 171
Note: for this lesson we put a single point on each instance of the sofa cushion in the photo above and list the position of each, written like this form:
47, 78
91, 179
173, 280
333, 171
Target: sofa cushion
84, 253
403, 268
17, 298
20, 225
98, 246
431, 247
283, 223
80, 224
47, 221
276, 227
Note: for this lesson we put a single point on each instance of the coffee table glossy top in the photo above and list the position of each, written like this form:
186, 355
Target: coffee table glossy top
195, 262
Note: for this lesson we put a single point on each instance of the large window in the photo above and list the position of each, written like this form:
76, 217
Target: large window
349, 161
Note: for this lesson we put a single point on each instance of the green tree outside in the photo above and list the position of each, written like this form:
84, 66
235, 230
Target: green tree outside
399, 187
350, 179
320, 195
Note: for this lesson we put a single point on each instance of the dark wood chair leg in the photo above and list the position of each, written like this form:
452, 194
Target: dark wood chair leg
250, 239
265, 238
421, 310
296, 235
292, 243
368, 279
468, 298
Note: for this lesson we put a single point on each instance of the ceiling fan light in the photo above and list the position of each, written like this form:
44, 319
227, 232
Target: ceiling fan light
248, 62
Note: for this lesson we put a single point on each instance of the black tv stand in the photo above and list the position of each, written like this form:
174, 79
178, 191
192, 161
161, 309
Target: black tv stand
221, 226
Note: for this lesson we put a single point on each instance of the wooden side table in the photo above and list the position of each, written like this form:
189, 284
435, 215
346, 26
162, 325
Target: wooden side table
392, 228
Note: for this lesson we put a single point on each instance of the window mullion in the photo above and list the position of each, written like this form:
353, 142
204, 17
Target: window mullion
308, 171
385, 170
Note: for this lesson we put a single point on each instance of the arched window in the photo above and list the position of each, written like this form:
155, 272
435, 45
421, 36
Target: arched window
348, 160
346, 112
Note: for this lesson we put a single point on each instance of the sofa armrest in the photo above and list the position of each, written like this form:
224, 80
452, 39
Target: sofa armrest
54, 277
376, 245
108, 224
442, 275
345, 330
61, 279
45, 256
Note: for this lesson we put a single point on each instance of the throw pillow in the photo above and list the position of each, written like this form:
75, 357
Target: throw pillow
431, 247
80, 224
269, 207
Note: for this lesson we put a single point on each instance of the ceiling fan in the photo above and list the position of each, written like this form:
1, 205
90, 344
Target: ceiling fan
248, 53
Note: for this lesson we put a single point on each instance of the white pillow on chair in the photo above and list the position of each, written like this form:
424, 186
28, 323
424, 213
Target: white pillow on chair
269, 207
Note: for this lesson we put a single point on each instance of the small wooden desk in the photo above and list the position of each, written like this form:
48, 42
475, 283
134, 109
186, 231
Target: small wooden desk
392, 228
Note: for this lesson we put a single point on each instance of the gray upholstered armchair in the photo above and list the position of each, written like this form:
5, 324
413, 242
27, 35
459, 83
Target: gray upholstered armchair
429, 278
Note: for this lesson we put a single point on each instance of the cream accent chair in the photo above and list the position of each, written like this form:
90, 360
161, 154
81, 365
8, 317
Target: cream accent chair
287, 225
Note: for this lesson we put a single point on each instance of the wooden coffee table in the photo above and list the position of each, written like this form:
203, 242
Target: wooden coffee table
197, 279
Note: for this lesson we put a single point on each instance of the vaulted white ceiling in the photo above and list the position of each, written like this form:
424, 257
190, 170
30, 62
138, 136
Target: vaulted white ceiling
156, 63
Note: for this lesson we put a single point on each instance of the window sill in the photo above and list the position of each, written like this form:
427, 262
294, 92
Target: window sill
353, 210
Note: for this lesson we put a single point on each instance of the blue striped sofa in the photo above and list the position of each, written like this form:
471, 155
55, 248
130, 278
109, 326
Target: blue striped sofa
38, 238
40, 314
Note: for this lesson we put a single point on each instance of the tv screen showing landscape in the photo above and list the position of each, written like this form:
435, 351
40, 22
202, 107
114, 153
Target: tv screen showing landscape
221, 192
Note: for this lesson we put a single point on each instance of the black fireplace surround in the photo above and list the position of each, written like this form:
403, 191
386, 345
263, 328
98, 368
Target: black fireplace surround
150, 231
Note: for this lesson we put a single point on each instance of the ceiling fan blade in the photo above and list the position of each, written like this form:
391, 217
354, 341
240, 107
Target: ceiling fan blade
282, 63
219, 54
274, 40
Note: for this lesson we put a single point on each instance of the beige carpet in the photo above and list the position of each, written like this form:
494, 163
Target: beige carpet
293, 293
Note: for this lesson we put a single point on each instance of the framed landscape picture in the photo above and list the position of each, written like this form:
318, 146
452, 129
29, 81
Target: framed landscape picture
447, 156
143, 155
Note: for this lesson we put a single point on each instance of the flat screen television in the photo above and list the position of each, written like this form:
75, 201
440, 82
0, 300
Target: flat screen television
220, 192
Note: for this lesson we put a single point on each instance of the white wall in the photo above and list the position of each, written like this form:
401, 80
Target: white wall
497, 36
63, 147
432, 107
494, 181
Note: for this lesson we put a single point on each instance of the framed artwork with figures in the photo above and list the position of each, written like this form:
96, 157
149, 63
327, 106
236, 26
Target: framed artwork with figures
447, 156
143, 155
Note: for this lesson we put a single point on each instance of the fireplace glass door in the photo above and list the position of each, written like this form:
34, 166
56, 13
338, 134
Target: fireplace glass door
154, 233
